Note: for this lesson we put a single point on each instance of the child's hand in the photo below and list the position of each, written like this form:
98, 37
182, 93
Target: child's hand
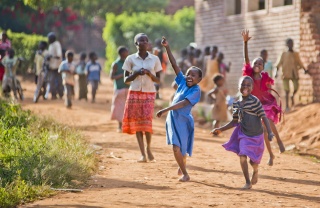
216, 132
147, 72
164, 42
245, 35
141, 72
270, 136
159, 113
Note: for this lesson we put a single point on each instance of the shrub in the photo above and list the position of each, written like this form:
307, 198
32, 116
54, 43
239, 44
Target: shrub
36, 154
25, 46
121, 29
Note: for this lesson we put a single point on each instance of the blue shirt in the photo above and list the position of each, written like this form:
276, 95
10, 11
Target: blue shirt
93, 70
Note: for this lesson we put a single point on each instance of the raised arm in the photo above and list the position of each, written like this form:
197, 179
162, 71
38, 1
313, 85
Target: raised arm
246, 38
172, 60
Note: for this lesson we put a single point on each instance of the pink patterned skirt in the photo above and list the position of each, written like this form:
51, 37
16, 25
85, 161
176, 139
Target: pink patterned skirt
138, 112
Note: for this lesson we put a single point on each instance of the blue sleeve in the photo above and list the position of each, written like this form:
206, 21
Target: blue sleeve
87, 67
194, 95
180, 79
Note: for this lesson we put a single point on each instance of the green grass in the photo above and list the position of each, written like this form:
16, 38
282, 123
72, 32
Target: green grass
37, 154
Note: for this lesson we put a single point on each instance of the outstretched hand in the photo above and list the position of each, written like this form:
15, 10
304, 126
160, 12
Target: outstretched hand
216, 132
245, 35
164, 42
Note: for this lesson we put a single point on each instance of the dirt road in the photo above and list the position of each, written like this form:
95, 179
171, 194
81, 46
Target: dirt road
216, 176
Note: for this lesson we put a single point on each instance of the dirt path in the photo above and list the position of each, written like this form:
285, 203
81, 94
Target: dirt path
216, 176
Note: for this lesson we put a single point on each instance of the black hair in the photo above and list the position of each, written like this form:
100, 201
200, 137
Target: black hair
44, 44
92, 54
217, 77
263, 51
69, 53
121, 49
11, 51
83, 55
138, 36
184, 52
194, 67
207, 49
214, 48
244, 78
289, 40
256, 59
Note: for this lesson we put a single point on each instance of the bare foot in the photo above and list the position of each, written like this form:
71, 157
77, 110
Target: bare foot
143, 159
247, 186
179, 172
184, 178
270, 162
150, 155
254, 179
281, 146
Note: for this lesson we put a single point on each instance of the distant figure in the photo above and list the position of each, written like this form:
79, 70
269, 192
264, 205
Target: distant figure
5, 44
10, 63
55, 80
158, 51
183, 61
220, 108
142, 70
120, 88
39, 61
261, 89
179, 122
82, 74
247, 138
223, 68
198, 59
206, 57
268, 67
212, 70
67, 70
93, 69
290, 63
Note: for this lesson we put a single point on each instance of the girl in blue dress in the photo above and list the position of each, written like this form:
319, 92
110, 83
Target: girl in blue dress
179, 122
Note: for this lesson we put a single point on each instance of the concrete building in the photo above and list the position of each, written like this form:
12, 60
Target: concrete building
271, 22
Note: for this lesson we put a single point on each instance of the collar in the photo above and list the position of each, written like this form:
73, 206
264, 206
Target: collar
250, 97
137, 55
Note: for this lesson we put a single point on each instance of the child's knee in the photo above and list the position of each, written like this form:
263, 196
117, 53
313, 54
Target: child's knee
175, 148
243, 158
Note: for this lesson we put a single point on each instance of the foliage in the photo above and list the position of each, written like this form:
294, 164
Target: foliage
36, 154
121, 29
92, 8
25, 46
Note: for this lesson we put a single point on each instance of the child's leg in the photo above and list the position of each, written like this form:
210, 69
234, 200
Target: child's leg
245, 170
275, 131
185, 164
179, 158
267, 142
139, 136
150, 155
295, 89
254, 178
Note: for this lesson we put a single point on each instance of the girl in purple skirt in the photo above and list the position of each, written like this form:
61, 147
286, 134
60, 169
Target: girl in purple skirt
247, 138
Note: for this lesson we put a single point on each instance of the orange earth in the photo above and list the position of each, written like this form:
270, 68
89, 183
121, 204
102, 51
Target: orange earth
216, 176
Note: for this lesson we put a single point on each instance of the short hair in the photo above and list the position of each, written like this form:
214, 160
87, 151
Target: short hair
263, 51
207, 49
92, 54
51, 35
217, 77
69, 53
11, 51
83, 55
44, 44
194, 67
289, 40
244, 78
256, 59
121, 49
214, 48
138, 36
184, 52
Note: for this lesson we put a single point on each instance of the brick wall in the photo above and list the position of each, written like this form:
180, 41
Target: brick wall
175, 5
269, 28
310, 49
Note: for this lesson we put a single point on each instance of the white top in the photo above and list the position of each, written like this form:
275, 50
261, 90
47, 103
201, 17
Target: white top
134, 63
55, 50
67, 72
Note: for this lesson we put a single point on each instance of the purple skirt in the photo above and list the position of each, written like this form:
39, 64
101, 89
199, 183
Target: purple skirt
242, 144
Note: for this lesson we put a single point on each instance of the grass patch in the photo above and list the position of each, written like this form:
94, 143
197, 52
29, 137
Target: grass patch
37, 154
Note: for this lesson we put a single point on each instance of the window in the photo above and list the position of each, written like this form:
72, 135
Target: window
232, 7
254, 5
277, 3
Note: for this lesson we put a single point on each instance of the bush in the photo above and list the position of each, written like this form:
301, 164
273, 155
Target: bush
121, 29
25, 46
36, 154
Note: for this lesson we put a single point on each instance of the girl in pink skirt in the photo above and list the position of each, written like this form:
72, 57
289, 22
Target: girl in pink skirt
247, 138
262, 86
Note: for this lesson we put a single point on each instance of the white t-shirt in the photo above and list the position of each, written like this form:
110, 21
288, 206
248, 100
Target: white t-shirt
55, 50
134, 63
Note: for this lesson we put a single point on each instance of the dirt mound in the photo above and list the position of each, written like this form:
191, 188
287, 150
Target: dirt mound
301, 130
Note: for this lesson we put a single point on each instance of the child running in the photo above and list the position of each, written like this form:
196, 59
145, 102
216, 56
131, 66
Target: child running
261, 89
247, 138
67, 70
220, 108
93, 70
179, 122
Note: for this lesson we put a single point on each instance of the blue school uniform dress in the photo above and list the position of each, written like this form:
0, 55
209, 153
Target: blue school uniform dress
179, 123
